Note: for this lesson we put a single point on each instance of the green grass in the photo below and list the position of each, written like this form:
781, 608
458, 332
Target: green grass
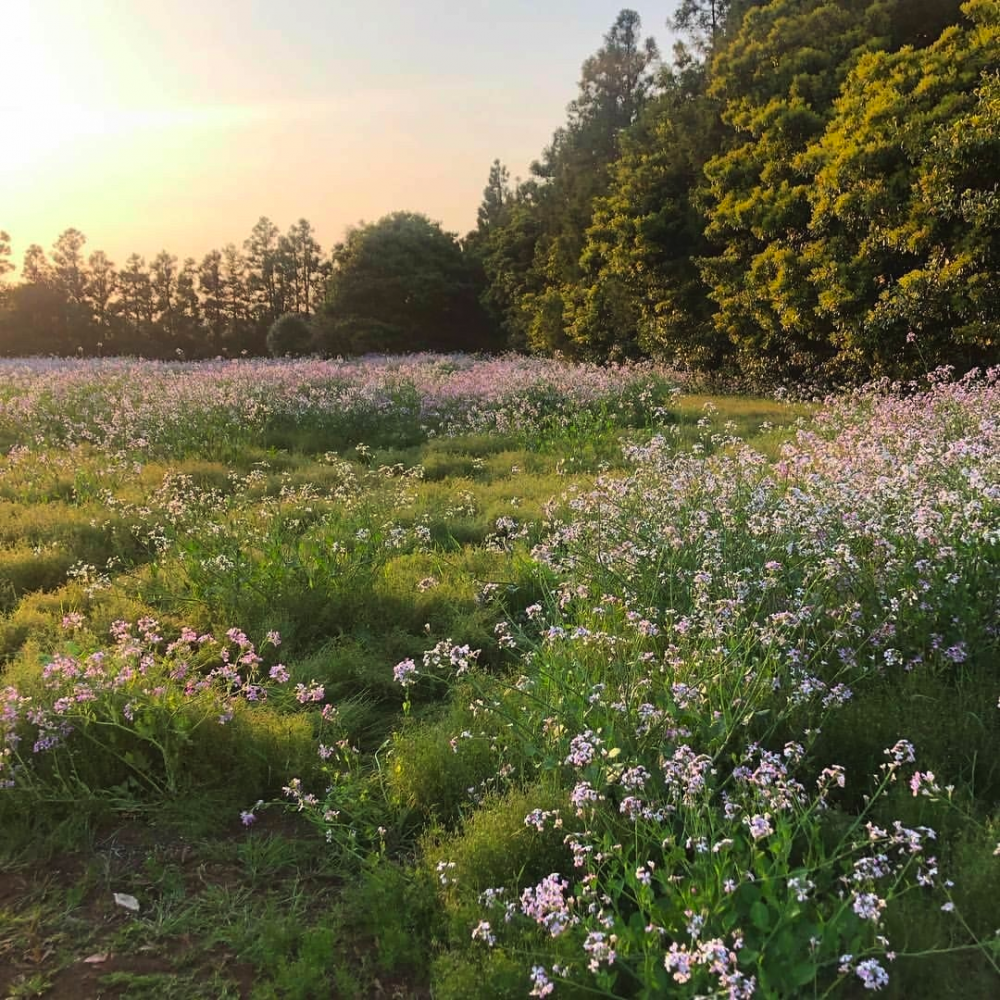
361, 561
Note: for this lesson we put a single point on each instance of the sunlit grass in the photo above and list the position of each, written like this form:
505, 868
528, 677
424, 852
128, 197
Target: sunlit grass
366, 557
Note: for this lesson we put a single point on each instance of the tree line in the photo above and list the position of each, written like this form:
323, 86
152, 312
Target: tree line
808, 187
71, 302
401, 284
804, 187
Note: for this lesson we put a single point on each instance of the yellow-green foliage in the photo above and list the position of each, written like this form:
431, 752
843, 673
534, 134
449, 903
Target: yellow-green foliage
253, 754
24, 569
495, 847
484, 974
904, 210
424, 773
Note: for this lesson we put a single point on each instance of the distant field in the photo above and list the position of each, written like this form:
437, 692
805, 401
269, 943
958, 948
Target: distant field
464, 678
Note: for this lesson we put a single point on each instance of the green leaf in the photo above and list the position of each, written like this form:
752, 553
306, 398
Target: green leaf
760, 916
799, 975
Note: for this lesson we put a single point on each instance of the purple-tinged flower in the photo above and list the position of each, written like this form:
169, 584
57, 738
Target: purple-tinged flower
801, 887
686, 774
696, 921
584, 795
238, 637
547, 905
868, 906
760, 826
923, 783
444, 869
678, 961
405, 673
313, 692
872, 975
600, 947
630, 806
582, 748
539, 817
833, 775
634, 778
541, 986
303, 800
483, 932
902, 752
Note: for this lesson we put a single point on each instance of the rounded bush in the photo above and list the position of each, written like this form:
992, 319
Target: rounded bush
289, 335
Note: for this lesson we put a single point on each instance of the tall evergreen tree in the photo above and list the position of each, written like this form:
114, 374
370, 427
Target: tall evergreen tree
708, 23
69, 266
551, 213
163, 278
35, 318
236, 298
506, 252
642, 293
211, 286
5, 252
261, 249
300, 257
496, 198
137, 304
102, 286
191, 341
35, 269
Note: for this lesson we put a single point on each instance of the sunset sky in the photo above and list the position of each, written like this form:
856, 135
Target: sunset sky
175, 124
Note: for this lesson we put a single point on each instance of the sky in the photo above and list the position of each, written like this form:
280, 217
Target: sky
176, 124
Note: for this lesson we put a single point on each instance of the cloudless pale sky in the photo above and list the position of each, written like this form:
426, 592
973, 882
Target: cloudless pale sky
175, 124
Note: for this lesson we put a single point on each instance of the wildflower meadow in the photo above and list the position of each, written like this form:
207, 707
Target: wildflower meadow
463, 677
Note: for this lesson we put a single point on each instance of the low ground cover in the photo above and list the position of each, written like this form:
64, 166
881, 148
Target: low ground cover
457, 678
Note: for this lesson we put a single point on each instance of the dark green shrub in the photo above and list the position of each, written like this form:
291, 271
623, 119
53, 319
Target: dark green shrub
289, 335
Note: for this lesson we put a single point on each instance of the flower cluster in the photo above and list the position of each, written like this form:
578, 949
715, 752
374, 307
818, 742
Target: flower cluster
142, 687
743, 602
175, 407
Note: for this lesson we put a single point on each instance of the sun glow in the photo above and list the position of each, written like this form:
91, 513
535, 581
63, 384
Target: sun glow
70, 88
98, 137
151, 125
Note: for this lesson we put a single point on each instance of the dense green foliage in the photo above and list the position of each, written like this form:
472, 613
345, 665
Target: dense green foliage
903, 227
531, 240
401, 284
810, 188
290, 335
